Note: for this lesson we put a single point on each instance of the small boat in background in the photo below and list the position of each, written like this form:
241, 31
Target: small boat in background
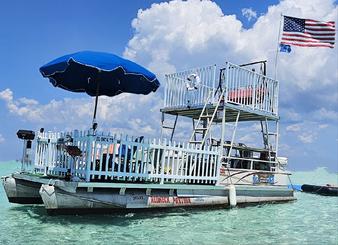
327, 190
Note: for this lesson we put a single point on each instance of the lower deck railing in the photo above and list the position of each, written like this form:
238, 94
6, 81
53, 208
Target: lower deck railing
83, 156
117, 158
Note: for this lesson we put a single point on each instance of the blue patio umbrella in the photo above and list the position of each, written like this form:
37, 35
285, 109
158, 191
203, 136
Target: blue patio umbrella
98, 73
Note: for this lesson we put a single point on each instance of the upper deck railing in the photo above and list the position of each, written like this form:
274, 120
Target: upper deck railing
243, 87
250, 89
189, 88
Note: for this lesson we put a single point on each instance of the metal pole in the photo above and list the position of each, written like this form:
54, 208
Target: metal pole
23, 167
223, 129
173, 130
162, 124
96, 99
253, 63
233, 135
277, 137
220, 157
277, 51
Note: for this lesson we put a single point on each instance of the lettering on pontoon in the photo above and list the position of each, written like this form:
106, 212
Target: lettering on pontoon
182, 200
159, 200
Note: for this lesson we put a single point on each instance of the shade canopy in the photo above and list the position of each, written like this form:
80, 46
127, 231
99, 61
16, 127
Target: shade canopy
98, 73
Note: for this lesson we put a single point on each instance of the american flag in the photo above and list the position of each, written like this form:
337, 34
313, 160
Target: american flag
308, 33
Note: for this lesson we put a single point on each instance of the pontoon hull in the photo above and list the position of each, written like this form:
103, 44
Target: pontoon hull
60, 196
59, 200
22, 191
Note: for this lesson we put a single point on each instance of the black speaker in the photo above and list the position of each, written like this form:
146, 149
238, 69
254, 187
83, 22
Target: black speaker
25, 134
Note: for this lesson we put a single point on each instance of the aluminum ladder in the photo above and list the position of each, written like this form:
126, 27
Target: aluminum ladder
205, 120
266, 137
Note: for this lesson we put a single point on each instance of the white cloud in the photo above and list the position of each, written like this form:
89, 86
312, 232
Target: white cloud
54, 111
249, 13
248, 138
6, 94
290, 114
116, 113
294, 127
322, 126
174, 35
2, 139
324, 113
307, 138
306, 131
181, 34
177, 35
27, 101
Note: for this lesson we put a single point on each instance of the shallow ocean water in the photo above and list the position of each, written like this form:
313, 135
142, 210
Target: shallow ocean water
312, 219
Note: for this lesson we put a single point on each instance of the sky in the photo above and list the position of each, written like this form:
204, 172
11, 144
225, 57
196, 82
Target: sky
165, 37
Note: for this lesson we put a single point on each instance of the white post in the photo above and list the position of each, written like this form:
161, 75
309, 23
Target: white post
165, 91
232, 196
277, 138
90, 139
220, 157
227, 83
24, 154
254, 91
214, 83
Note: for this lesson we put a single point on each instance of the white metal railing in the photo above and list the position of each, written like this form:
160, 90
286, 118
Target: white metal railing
252, 163
154, 161
242, 86
189, 88
106, 157
51, 157
46, 152
249, 88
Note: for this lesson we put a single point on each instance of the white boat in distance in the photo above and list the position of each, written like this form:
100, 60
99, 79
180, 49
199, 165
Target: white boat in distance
84, 171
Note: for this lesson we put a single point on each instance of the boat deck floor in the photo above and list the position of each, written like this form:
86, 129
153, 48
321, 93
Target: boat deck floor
246, 112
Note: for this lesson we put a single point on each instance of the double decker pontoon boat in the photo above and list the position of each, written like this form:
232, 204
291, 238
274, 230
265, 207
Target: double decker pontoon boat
91, 170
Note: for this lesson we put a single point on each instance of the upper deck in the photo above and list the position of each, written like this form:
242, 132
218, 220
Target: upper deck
254, 94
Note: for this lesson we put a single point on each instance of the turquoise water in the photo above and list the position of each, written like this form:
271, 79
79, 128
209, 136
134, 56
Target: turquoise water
311, 219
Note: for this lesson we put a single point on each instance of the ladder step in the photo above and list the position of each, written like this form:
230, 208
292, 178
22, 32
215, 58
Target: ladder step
205, 116
200, 129
167, 127
195, 142
270, 133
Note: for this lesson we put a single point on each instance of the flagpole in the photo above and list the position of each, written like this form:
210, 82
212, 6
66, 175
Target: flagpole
277, 49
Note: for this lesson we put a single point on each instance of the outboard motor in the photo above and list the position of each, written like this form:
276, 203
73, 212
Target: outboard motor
27, 136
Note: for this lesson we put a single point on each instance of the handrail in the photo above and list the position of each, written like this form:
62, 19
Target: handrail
258, 171
178, 95
242, 86
251, 89
247, 148
251, 159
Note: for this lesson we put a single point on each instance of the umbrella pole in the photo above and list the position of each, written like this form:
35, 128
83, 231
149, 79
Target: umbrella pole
96, 102
94, 116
